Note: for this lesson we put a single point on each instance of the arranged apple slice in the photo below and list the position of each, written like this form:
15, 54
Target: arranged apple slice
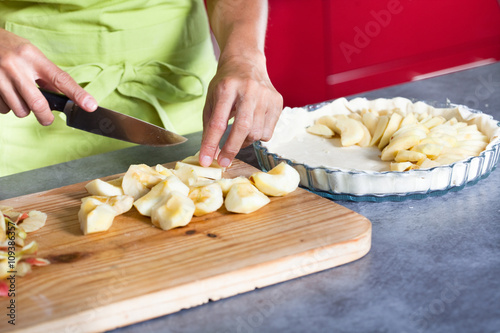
279, 181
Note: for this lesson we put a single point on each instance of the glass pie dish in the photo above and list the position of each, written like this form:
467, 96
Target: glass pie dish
351, 184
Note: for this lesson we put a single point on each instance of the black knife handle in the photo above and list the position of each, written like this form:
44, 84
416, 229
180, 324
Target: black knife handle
57, 102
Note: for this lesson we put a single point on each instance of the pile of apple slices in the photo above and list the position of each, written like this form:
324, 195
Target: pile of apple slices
410, 141
15, 255
171, 197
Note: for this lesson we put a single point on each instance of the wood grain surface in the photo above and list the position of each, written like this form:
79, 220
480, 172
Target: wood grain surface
134, 271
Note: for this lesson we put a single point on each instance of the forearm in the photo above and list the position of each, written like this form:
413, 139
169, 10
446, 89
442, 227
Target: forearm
239, 27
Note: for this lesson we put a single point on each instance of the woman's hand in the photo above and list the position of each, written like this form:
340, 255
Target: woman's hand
240, 89
22, 67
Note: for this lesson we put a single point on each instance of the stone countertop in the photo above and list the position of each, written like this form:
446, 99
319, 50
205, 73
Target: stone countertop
434, 265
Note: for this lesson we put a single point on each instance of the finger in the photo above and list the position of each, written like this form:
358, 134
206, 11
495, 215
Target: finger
257, 129
216, 125
63, 82
243, 123
35, 102
4, 109
13, 100
272, 117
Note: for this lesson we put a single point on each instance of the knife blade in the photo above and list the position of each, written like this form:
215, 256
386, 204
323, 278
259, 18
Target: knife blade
111, 124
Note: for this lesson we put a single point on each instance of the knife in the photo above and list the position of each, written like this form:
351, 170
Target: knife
111, 124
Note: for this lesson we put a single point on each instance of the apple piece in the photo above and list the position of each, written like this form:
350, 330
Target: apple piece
138, 180
399, 143
365, 141
355, 116
403, 166
409, 156
206, 199
163, 171
195, 160
176, 210
245, 198
428, 163
320, 130
351, 131
95, 216
279, 181
328, 121
409, 119
205, 172
100, 187
433, 122
116, 182
121, 203
392, 127
159, 193
34, 221
370, 120
226, 183
379, 130
431, 150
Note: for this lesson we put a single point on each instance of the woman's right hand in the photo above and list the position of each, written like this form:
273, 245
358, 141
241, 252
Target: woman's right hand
22, 67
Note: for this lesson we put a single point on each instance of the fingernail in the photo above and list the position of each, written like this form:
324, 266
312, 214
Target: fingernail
90, 104
205, 160
224, 162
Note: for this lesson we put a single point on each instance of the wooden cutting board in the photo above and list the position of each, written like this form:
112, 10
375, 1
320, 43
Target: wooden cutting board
134, 271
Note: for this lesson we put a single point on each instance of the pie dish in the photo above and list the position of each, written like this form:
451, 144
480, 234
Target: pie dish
365, 178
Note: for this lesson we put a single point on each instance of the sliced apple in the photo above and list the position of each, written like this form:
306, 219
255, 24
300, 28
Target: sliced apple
116, 182
328, 121
409, 156
158, 193
409, 119
365, 141
95, 216
226, 183
121, 203
175, 211
379, 130
138, 180
431, 150
320, 130
433, 122
245, 198
403, 166
399, 143
164, 171
195, 160
351, 131
206, 199
100, 187
279, 181
370, 120
392, 127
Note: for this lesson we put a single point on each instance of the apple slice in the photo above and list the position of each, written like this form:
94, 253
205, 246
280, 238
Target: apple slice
206, 199
320, 130
205, 172
370, 120
399, 143
351, 131
245, 198
392, 127
139, 178
95, 216
279, 181
100, 187
195, 160
379, 130
403, 166
175, 211
226, 183
158, 193
409, 156
328, 121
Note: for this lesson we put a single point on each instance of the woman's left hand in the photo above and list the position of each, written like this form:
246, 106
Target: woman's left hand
240, 89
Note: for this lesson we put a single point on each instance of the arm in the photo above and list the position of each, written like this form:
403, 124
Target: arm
241, 87
22, 67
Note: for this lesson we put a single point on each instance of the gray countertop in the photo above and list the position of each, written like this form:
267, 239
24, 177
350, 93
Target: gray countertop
434, 265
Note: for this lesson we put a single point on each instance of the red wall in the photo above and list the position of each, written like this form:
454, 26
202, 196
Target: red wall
322, 49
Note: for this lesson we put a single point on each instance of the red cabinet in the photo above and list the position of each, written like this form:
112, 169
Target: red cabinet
322, 49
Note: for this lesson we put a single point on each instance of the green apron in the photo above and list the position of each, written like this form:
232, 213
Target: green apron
149, 59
